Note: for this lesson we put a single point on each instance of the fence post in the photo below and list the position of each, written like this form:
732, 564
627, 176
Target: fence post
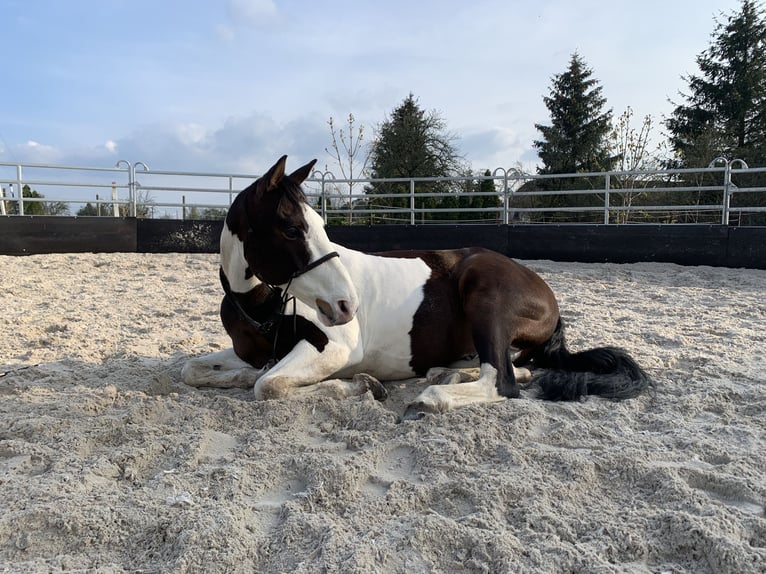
728, 188
115, 207
129, 167
727, 185
323, 175
20, 189
607, 184
726, 197
506, 200
2, 200
412, 202
323, 199
135, 185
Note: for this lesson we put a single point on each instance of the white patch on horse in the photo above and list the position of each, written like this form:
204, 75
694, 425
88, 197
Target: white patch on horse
391, 291
443, 398
305, 366
234, 263
224, 370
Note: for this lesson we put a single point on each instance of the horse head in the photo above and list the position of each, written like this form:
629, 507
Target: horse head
284, 243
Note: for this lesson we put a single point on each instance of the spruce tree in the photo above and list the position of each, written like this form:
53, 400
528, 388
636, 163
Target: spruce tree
725, 111
576, 140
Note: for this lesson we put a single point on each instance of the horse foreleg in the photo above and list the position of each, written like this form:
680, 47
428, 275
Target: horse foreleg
304, 372
342, 388
223, 369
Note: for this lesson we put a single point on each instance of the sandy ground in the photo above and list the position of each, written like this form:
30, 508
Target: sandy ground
109, 463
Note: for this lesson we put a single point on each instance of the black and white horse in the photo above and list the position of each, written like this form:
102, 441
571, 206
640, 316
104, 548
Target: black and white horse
310, 317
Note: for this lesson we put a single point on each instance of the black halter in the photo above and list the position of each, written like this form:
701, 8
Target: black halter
313, 264
278, 311
271, 307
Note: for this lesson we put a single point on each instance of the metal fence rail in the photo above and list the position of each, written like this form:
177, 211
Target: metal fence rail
726, 192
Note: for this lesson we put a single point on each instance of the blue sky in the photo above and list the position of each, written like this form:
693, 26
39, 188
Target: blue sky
230, 85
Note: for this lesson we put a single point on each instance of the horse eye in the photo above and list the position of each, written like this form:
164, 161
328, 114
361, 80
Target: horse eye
292, 233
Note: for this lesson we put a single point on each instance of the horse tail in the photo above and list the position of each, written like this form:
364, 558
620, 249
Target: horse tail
605, 371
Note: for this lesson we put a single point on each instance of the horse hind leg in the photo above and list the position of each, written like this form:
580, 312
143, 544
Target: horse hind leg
497, 374
455, 375
440, 398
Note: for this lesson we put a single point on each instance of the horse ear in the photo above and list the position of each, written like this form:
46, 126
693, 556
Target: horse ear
276, 173
300, 174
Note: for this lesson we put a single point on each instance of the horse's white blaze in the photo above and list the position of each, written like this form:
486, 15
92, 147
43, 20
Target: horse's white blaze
442, 398
330, 281
234, 263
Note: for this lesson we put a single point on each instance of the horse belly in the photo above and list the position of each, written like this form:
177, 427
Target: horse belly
385, 365
388, 353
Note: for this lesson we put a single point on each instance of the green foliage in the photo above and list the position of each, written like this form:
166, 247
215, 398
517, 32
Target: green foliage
205, 213
411, 143
576, 141
724, 113
102, 210
88, 210
36, 207
144, 208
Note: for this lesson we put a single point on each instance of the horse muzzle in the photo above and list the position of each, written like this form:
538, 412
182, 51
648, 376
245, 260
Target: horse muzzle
339, 312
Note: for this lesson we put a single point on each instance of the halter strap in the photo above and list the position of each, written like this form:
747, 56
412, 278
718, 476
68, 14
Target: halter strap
268, 327
326, 257
262, 327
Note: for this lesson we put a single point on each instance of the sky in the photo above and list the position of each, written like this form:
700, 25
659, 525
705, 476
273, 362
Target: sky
231, 85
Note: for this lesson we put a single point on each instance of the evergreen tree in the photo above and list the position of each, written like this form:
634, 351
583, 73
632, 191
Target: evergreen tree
488, 201
576, 140
411, 143
88, 210
30, 207
725, 111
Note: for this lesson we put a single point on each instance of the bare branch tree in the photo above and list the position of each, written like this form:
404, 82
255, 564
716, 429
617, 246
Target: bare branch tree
346, 149
632, 153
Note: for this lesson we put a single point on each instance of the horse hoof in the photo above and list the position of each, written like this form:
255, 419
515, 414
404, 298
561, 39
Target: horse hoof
412, 413
379, 392
416, 411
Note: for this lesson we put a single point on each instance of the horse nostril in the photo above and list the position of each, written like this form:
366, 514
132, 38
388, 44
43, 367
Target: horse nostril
344, 307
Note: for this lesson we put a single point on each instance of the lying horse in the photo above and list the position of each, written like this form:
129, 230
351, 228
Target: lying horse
305, 315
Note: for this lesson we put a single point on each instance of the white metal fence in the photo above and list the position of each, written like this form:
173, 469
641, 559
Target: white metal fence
727, 192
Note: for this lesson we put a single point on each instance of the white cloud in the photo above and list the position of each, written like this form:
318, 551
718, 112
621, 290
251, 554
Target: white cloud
240, 144
36, 152
252, 11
